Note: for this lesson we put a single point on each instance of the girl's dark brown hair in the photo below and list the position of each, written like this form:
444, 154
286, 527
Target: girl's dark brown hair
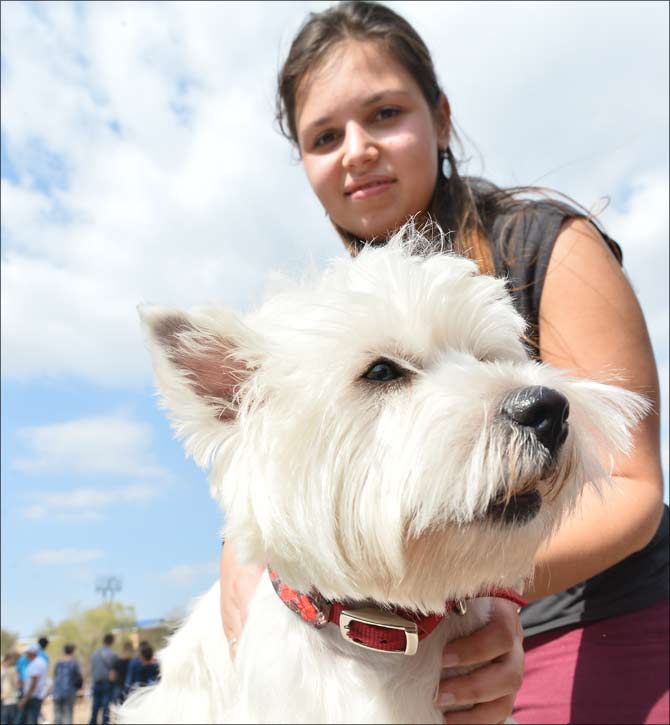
464, 206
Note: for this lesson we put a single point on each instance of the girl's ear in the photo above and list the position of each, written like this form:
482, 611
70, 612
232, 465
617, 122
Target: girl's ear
443, 121
200, 360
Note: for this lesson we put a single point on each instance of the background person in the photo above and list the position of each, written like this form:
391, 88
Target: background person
43, 642
66, 683
121, 669
21, 666
148, 671
132, 676
36, 686
359, 98
10, 688
103, 661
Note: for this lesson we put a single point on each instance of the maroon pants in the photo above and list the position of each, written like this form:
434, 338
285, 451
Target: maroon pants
612, 671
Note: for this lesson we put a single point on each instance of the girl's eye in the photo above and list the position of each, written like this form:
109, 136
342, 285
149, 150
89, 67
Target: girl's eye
383, 371
387, 112
324, 139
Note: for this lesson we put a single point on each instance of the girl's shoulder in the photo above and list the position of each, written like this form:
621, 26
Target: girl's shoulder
523, 231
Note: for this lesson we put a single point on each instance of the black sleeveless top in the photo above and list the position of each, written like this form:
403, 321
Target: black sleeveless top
523, 241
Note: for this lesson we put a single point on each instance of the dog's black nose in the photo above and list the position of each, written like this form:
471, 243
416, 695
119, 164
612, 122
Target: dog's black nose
544, 411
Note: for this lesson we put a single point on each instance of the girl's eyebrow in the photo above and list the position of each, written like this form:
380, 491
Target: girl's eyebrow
369, 101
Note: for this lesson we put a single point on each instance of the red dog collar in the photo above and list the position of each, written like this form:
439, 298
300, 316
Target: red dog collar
394, 630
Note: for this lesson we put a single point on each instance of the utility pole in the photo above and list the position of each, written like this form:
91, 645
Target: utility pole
108, 586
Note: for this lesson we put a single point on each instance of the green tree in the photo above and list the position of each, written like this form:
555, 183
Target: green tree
7, 641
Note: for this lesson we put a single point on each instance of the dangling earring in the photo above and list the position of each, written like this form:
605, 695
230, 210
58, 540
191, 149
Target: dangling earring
445, 165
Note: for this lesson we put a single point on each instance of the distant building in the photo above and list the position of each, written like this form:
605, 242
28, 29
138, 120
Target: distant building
153, 630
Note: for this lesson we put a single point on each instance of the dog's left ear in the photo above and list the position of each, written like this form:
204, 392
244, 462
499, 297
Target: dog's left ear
200, 360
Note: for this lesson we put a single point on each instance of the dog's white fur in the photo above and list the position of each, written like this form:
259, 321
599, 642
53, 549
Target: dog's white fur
362, 490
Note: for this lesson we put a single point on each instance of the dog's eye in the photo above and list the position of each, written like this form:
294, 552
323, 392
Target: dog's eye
383, 371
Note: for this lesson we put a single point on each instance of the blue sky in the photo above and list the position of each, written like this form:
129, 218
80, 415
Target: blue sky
140, 164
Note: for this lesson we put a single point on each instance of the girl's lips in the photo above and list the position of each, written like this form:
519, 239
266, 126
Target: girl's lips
375, 188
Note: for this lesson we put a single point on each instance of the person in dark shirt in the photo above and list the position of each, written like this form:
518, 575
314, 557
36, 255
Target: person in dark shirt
133, 670
103, 661
148, 671
121, 669
67, 680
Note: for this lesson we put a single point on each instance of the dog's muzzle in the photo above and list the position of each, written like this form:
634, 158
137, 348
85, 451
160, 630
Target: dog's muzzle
516, 510
541, 411
542, 414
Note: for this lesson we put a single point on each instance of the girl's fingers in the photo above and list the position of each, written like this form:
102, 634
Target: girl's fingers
490, 689
493, 640
485, 684
496, 711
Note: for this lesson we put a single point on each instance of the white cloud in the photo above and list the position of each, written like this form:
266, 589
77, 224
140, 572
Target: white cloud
85, 504
161, 212
184, 575
537, 110
42, 513
643, 229
95, 445
66, 556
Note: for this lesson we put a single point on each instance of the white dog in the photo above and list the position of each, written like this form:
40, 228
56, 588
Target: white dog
382, 440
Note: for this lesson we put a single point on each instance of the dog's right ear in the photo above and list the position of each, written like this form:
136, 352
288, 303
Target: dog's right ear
200, 359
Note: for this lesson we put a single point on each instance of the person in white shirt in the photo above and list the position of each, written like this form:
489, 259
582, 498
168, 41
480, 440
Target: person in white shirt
36, 686
10, 688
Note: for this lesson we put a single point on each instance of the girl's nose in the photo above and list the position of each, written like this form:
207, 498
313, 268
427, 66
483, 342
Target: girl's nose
360, 148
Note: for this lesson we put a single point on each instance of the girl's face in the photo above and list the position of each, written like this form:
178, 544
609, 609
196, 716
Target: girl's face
368, 139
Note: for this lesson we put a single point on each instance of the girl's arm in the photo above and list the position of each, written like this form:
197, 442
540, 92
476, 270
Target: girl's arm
591, 324
237, 586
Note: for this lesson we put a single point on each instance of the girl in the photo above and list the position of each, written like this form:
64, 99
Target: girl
359, 97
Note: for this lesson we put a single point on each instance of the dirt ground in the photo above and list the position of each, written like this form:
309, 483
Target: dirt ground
82, 711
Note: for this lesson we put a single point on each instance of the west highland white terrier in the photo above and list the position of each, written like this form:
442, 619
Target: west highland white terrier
382, 440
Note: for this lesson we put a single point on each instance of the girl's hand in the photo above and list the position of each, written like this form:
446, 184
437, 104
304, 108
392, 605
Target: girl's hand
491, 689
238, 584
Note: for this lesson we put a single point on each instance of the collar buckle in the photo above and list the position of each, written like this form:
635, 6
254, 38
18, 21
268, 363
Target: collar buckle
460, 607
371, 617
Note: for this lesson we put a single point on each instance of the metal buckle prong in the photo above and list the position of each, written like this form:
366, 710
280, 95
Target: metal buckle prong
461, 608
379, 618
